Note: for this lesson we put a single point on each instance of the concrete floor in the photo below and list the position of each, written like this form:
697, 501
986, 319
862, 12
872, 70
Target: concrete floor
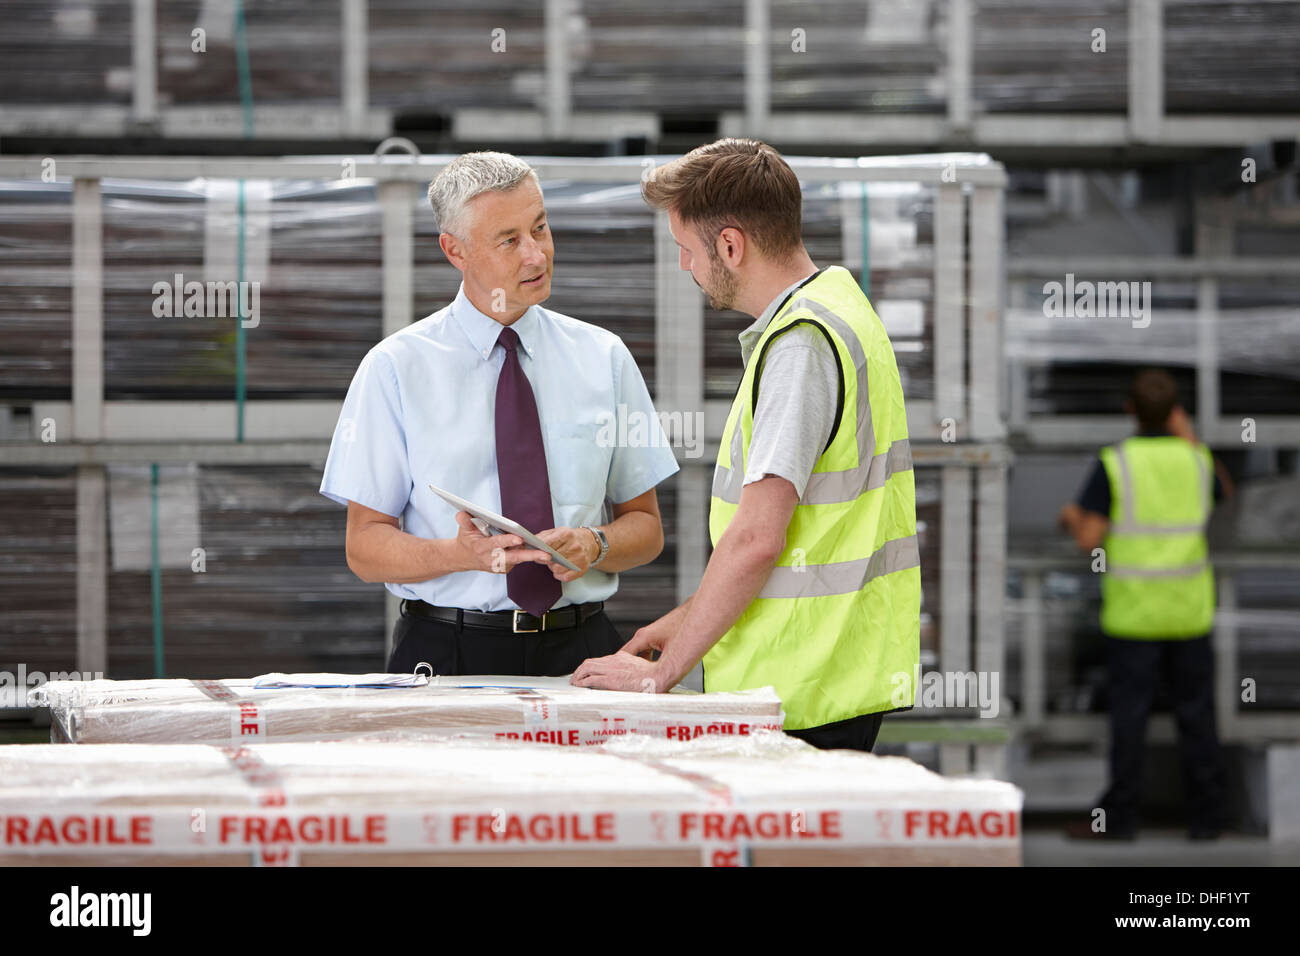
1049, 846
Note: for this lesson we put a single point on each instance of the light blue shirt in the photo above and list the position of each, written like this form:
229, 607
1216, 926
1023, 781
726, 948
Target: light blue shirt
421, 410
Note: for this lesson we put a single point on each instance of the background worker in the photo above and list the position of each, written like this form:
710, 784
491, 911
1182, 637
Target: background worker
814, 582
500, 401
1146, 505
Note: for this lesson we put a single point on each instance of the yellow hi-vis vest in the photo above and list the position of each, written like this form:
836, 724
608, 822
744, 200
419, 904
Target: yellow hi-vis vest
836, 628
1158, 584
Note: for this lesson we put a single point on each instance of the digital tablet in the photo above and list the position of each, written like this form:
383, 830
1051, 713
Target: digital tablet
499, 524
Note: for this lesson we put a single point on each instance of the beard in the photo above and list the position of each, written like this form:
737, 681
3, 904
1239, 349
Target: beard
722, 285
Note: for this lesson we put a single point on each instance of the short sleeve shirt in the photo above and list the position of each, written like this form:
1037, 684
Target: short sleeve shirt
798, 392
421, 411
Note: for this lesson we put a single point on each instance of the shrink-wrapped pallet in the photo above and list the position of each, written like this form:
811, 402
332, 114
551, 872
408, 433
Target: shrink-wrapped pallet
426, 59
767, 799
275, 592
280, 707
315, 250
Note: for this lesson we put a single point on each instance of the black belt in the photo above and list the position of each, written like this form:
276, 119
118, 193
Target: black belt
520, 622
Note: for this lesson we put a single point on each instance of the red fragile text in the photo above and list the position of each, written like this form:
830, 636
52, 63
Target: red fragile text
566, 737
329, 829
248, 718
532, 828
823, 825
691, 731
951, 825
77, 831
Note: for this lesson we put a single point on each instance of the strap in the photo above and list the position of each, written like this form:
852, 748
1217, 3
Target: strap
839, 371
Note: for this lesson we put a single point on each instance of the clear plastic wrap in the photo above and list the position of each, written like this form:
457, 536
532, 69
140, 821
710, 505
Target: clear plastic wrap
887, 56
315, 248
899, 225
1086, 365
275, 592
1036, 56
767, 799
429, 58
533, 710
38, 569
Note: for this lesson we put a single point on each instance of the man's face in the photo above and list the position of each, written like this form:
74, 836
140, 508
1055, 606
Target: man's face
509, 253
700, 258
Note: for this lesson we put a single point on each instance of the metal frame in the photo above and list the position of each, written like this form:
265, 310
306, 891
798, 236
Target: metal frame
1145, 123
93, 432
1207, 267
1233, 727
1212, 262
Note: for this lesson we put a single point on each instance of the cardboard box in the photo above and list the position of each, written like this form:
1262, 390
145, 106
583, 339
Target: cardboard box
528, 709
766, 799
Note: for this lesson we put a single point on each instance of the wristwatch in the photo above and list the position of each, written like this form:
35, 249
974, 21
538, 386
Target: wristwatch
602, 541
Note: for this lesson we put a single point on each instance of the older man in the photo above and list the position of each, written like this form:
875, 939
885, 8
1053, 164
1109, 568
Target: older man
502, 402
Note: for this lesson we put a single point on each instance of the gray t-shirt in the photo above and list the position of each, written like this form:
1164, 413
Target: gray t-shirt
797, 395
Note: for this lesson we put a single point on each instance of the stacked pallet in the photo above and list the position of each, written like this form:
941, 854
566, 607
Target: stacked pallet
765, 800
1086, 365
302, 707
320, 304
887, 56
273, 590
1034, 56
898, 222
315, 248
38, 569
428, 58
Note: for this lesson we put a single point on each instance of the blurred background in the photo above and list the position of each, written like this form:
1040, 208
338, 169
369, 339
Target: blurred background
159, 513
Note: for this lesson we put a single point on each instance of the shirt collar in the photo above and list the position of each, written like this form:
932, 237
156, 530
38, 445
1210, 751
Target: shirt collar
749, 338
483, 330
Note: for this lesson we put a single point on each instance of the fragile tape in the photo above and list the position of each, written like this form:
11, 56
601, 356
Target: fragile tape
268, 791
247, 720
173, 830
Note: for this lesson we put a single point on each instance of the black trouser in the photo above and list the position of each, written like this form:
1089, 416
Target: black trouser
453, 650
856, 733
1135, 667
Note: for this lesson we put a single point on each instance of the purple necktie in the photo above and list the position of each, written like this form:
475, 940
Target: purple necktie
521, 470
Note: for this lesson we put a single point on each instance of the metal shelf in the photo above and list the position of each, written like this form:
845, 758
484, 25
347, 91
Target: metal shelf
93, 433
1145, 122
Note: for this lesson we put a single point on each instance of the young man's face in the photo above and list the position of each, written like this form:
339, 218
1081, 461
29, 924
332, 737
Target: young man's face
701, 260
509, 253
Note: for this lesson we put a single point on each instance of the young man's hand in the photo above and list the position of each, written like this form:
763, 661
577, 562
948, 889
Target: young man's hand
1180, 425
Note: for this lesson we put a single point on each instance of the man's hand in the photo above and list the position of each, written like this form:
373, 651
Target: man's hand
577, 544
620, 671
495, 554
1069, 517
1180, 424
1086, 527
650, 638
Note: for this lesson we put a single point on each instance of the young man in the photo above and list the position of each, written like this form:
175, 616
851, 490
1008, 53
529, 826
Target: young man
500, 401
814, 583
1145, 505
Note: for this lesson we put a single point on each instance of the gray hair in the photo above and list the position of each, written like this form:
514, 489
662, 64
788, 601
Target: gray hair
470, 175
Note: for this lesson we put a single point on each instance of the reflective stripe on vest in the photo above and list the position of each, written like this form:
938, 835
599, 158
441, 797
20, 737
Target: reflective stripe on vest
827, 487
844, 576
1158, 583
1129, 525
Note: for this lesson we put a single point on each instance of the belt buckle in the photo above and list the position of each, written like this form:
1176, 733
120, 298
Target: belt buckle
515, 624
